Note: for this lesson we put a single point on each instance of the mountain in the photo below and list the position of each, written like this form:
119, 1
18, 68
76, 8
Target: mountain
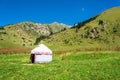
27, 34
101, 32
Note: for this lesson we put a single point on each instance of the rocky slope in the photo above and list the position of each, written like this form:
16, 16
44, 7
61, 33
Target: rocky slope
101, 31
27, 33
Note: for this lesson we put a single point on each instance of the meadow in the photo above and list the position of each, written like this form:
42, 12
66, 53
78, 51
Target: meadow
66, 66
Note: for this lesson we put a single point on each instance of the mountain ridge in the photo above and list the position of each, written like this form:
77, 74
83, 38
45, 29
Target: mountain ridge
101, 32
27, 33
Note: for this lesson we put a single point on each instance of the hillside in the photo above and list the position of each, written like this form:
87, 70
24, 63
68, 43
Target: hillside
27, 34
101, 32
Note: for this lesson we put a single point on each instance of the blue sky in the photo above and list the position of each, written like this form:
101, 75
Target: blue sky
47, 11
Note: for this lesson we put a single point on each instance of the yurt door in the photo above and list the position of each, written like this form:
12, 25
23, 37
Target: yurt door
32, 58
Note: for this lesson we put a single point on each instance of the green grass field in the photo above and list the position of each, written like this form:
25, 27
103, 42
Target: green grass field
67, 66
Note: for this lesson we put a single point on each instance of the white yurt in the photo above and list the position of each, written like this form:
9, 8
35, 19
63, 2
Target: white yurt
41, 54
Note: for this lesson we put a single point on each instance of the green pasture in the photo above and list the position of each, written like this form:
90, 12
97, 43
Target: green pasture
67, 66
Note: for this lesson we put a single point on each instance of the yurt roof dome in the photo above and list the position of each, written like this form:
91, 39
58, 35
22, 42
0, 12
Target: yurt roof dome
41, 49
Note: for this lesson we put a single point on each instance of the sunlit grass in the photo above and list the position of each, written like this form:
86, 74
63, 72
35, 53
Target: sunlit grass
67, 66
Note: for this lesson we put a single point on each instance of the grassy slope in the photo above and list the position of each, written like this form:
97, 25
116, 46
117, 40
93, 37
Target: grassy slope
75, 66
14, 35
83, 38
107, 36
25, 34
